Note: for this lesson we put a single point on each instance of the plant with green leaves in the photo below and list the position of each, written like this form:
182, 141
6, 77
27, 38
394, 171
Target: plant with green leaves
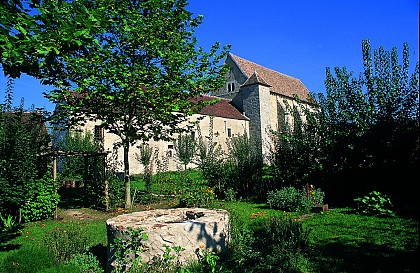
209, 157
65, 242
35, 35
23, 139
43, 199
139, 79
86, 262
7, 222
185, 149
369, 126
145, 159
125, 249
75, 167
243, 167
375, 203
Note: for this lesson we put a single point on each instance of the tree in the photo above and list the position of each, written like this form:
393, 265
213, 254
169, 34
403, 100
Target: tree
370, 123
35, 35
185, 149
139, 79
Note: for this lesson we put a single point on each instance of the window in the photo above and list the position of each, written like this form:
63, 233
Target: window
229, 132
170, 152
99, 133
231, 86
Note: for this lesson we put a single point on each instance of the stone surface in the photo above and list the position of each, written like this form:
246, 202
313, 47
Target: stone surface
189, 228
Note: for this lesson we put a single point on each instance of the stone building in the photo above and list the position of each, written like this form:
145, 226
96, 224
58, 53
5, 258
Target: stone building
254, 101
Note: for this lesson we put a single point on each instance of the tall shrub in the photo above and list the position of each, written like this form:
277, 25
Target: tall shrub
297, 153
243, 167
185, 149
145, 159
210, 157
23, 138
371, 126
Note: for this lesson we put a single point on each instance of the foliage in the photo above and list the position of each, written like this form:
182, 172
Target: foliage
35, 35
23, 137
210, 157
195, 193
375, 203
125, 249
74, 167
315, 196
86, 262
7, 222
369, 127
296, 156
185, 148
295, 200
42, 201
242, 169
288, 199
139, 78
65, 242
268, 245
145, 158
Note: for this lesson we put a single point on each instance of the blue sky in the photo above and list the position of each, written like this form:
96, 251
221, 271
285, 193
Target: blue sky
297, 38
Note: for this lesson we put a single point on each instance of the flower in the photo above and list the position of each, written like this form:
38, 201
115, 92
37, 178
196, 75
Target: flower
201, 246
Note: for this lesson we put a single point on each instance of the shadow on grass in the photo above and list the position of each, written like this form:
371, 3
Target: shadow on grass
7, 236
364, 257
100, 251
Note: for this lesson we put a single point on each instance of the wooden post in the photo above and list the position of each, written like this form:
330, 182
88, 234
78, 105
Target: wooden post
106, 186
55, 184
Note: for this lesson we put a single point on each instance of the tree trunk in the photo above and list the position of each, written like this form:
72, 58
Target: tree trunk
128, 204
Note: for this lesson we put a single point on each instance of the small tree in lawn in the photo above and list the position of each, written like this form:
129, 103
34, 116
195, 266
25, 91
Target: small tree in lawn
139, 78
145, 159
185, 149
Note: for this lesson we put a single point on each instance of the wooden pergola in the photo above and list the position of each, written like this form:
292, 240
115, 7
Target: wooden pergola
86, 155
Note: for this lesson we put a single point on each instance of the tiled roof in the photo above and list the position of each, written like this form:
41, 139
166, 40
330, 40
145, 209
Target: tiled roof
255, 78
222, 108
280, 83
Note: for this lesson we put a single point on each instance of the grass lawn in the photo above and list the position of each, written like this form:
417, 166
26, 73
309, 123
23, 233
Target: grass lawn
341, 241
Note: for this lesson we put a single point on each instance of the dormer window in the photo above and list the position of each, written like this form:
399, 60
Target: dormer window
231, 86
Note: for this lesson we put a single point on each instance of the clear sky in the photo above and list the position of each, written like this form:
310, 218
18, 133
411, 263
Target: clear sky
297, 38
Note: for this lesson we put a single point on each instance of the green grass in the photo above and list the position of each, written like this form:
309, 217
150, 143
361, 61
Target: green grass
341, 241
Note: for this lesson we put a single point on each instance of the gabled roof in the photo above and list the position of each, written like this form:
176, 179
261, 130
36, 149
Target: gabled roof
222, 108
280, 83
255, 78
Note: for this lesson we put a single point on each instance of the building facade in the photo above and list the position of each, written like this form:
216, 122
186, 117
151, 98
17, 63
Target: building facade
254, 101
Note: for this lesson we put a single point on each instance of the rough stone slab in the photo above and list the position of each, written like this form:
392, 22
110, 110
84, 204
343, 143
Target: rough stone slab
189, 228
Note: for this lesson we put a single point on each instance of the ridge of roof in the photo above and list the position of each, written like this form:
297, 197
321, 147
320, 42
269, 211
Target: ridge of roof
280, 83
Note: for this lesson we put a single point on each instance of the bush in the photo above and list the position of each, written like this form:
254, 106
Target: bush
375, 203
195, 193
42, 201
295, 200
86, 262
288, 199
65, 242
269, 245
